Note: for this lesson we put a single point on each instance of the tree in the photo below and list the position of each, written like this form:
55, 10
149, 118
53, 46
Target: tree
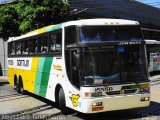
9, 22
28, 15
39, 13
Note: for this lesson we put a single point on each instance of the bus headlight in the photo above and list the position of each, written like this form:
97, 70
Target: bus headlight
97, 106
88, 94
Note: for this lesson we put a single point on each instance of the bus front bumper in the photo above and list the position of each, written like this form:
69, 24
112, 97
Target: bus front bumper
104, 104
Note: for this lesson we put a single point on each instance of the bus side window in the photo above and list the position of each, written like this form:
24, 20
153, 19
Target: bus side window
18, 48
59, 42
52, 42
55, 42
13, 49
32, 46
9, 48
25, 47
43, 45
70, 35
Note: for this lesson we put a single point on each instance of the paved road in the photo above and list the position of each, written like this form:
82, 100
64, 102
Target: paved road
30, 106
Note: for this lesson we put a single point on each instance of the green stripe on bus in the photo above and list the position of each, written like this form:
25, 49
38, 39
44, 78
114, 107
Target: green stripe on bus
45, 76
39, 75
56, 27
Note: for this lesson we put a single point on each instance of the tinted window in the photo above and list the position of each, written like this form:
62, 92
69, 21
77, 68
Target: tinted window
70, 35
43, 45
25, 47
9, 48
106, 33
52, 42
18, 48
55, 42
32, 46
59, 42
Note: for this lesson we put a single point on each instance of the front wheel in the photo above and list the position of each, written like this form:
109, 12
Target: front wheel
62, 102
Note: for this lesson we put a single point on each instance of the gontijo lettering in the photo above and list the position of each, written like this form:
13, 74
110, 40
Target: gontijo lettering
23, 63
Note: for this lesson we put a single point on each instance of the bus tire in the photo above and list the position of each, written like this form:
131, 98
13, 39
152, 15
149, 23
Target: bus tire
62, 102
21, 89
17, 86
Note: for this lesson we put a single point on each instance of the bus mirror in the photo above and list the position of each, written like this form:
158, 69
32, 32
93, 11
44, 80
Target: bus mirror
76, 58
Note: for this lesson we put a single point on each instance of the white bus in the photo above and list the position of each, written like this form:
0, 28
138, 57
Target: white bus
91, 65
153, 54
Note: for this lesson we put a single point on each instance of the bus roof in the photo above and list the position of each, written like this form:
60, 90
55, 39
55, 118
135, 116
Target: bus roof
152, 41
83, 22
101, 21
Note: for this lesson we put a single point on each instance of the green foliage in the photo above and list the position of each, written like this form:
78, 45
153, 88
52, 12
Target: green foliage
28, 15
9, 23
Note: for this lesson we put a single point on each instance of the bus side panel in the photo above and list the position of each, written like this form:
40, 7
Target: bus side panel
45, 76
55, 77
30, 76
39, 75
11, 76
42, 76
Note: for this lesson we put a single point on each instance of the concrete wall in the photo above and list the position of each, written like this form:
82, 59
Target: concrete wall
3, 55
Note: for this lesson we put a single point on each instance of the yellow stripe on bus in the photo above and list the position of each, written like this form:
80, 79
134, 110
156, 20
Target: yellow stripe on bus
31, 75
28, 76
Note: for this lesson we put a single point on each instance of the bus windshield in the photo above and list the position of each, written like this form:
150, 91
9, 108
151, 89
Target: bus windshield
101, 67
110, 33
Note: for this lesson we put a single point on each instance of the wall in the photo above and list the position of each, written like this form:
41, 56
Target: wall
3, 57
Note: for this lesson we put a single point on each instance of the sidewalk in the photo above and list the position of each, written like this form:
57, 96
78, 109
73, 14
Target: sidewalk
3, 79
155, 78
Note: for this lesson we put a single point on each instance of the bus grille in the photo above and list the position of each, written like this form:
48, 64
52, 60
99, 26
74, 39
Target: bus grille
125, 91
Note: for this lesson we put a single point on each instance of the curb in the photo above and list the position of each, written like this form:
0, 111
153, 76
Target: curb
155, 78
3, 79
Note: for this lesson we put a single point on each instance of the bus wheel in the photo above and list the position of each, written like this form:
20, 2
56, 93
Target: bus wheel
62, 102
21, 90
17, 86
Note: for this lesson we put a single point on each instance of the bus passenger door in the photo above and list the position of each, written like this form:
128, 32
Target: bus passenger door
72, 65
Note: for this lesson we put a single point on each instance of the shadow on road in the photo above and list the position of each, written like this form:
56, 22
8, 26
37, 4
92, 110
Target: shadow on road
152, 110
43, 99
155, 73
3, 83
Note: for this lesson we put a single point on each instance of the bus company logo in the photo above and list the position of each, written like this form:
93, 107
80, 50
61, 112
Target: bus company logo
74, 99
57, 67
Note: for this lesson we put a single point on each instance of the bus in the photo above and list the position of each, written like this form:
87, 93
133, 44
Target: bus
88, 65
153, 54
